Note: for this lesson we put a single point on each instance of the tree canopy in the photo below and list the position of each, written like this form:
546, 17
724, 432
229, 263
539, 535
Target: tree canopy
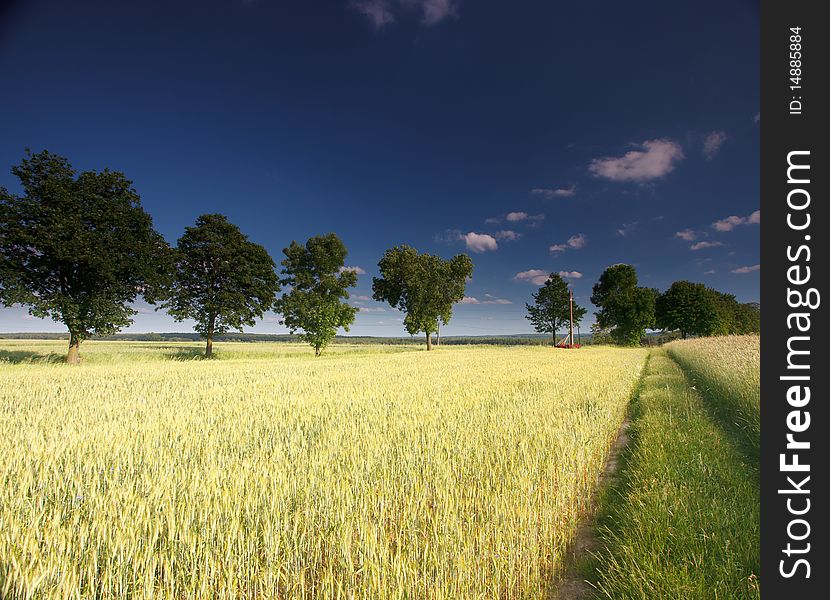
551, 308
624, 307
687, 307
223, 281
78, 249
423, 286
318, 283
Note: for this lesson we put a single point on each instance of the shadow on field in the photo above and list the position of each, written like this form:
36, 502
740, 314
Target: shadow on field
17, 357
180, 354
722, 413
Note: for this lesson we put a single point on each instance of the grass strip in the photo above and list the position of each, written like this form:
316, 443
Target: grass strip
726, 371
682, 520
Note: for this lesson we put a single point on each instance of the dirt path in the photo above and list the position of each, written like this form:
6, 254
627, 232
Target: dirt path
572, 585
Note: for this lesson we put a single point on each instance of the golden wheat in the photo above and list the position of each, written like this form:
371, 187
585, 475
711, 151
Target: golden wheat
459, 473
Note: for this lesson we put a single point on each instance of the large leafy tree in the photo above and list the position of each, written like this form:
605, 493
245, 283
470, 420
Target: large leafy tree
624, 307
686, 307
423, 286
318, 283
223, 281
551, 308
78, 249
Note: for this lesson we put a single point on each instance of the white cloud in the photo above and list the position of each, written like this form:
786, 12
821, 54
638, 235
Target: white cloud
550, 193
575, 242
757, 118
385, 12
492, 221
363, 298
627, 228
730, 223
371, 309
507, 235
709, 272
704, 245
356, 270
379, 12
689, 235
491, 300
534, 276
656, 159
435, 11
748, 269
515, 217
712, 143
480, 242
570, 274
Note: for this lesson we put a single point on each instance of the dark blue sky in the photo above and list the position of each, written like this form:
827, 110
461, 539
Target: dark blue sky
633, 128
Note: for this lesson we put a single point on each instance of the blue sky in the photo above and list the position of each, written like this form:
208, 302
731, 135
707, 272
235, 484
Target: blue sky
538, 136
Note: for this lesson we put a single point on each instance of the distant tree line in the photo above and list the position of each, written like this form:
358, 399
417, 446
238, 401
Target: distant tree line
78, 248
627, 310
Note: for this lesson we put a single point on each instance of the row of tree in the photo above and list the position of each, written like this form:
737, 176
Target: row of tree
627, 310
80, 249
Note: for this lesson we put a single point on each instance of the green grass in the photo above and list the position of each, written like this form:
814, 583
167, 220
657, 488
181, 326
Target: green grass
726, 370
683, 518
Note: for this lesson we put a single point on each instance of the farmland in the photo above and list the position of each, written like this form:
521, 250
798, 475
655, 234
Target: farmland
684, 520
368, 473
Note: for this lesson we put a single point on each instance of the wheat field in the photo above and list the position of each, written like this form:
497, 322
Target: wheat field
367, 473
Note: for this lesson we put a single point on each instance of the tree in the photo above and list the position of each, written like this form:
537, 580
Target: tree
552, 307
422, 285
223, 281
78, 250
624, 307
748, 318
318, 282
687, 307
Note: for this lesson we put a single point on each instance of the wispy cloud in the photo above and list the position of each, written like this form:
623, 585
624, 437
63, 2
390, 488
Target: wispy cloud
689, 235
361, 298
490, 300
381, 13
507, 235
709, 272
655, 159
570, 274
480, 242
730, 223
551, 193
355, 269
749, 269
534, 276
492, 221
515, 217
757, 118
575, 242
712, 143
371, 309
705, 244
627, 228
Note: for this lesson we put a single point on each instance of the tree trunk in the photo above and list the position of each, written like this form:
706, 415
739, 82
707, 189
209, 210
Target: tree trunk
317, 351
553, 337
682, 334
73, 357
429, 340
209, 346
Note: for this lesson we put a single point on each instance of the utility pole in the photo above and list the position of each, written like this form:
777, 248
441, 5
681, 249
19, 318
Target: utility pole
571, 341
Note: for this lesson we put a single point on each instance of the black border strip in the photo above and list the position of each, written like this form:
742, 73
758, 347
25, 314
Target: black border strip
788, 128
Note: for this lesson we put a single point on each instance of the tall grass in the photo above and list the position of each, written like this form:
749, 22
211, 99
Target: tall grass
683, 521
727, 370
459, 473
